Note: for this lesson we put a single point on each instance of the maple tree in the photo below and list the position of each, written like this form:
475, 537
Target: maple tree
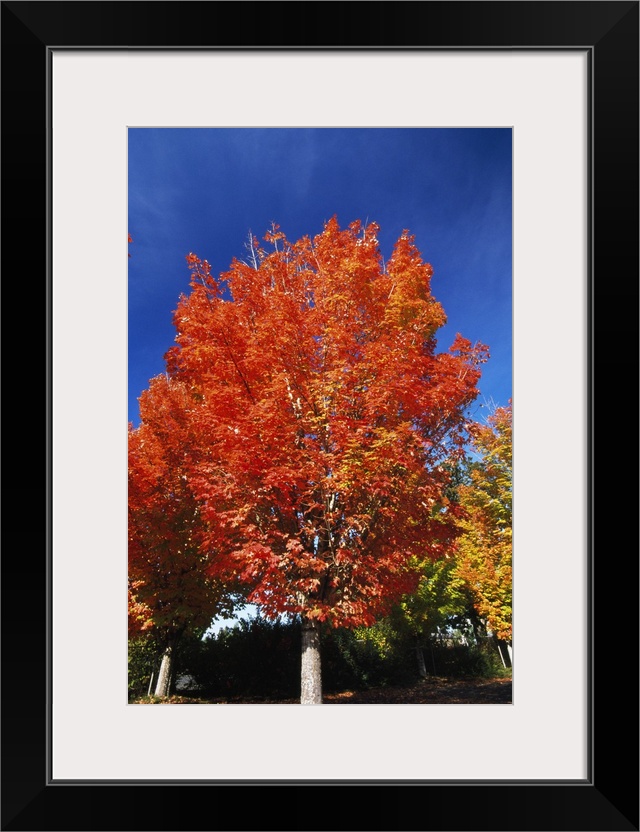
324, 415
171, 591
484, 551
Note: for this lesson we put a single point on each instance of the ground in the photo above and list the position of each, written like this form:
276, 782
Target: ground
433, 691
430, 691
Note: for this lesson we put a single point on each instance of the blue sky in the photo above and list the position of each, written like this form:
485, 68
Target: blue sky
202, 190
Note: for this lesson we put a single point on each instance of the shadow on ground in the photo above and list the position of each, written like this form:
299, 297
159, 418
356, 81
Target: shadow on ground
430, 691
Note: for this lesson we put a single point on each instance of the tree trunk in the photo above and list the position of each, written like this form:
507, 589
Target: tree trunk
165, 674
310, 677
422, 668
498, 644
505, 651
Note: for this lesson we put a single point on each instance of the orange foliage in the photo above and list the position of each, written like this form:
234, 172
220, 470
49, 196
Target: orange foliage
170, 590
484, 559
320, 415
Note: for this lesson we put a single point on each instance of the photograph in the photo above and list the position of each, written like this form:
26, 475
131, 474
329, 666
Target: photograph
319, 460
280, 464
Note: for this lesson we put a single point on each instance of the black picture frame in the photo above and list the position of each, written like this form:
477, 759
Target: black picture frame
608, 799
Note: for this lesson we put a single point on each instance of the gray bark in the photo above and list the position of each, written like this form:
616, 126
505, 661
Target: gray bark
505, 652
310, 677
165, 675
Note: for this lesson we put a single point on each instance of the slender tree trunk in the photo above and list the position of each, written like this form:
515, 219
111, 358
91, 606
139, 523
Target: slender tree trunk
165, 674
422, 668
505, 651
310, 677
497, 643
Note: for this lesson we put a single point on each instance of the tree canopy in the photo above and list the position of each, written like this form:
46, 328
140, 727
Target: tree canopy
484, 557
171, 589
325, 414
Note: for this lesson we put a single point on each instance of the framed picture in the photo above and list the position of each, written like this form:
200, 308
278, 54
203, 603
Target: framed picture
564, 78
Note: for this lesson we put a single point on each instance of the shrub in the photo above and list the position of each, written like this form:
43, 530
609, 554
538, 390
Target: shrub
255, 659
142, 662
